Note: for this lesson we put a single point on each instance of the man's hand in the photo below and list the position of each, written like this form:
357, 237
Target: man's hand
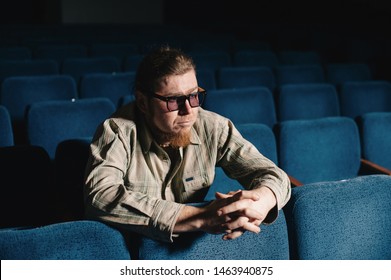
232, 213
247, 210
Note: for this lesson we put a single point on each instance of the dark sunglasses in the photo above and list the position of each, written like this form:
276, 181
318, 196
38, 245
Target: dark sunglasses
175, 102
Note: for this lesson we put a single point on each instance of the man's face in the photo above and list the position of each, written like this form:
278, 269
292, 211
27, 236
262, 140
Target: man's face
174, 126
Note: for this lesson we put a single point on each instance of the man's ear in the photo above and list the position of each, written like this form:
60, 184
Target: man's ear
141, 101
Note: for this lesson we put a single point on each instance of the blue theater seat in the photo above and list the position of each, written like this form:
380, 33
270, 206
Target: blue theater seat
109, 85
51, 122
243, 105
307, 101
341, 220
255, 58
77, 240
291, 57
77, 67
59, 52
117, 50
262, 137
206, 79
270, 244
212, 60
17, 93
375, 131
323, 149
35, 67
15, 53
360, 97
299, 74
239, 77
339, 73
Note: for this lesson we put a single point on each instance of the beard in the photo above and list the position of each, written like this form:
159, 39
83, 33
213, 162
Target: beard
176, 140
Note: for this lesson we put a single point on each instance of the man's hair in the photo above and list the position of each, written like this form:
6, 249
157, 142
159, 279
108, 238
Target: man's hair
159, 64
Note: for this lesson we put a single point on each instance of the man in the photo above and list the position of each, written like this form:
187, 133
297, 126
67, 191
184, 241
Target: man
155, 156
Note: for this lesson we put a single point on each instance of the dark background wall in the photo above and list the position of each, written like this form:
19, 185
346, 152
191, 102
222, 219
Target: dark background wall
294, 24
200, 12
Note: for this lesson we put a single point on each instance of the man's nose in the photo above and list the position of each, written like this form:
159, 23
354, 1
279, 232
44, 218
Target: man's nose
185, 108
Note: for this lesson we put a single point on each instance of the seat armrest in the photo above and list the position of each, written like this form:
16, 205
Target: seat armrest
369, 167
295, 182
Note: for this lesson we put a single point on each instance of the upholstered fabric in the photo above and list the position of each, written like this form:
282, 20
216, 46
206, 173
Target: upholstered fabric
291, 57
59, 52
206, 79
51, 122
307, 101
375, 129
35, 67
117, 50
77, 240
263, 139
299, 74
212, 60
108, 85
77, 67
243, 105
15, 53
358, 98
239, 77
319, 149
255, 58
341, 220
270, 244
131, 62
338, 73
6, 133
19, 92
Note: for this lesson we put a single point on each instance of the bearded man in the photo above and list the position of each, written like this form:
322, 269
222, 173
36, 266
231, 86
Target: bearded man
155, 156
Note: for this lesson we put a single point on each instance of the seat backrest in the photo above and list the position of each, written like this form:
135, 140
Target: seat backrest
212, 60
338, 73
255, 58
238, 77
118, 50
307, 101
110, 85
290, 57
270, 244
243, 105
262, 137
206, 79
15, 53
76, 240
131, 62
77, 67
358, 98
299, 74
6, 132
17, 93
34, 67
28, 198
322, 149
341, 220
376, 137
51, 122
59, 52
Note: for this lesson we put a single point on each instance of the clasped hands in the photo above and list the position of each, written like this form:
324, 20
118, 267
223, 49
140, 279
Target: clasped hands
236, 212
229, 214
